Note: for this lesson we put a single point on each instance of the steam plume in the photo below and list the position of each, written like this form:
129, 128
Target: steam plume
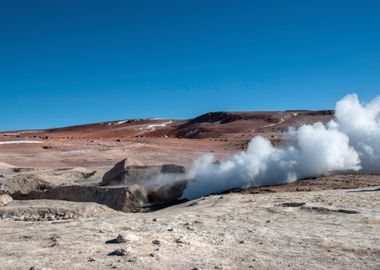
351, 142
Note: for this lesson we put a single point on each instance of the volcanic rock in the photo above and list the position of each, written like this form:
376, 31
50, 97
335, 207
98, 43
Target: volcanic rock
121, 239
167, 193
118, 240
118, 252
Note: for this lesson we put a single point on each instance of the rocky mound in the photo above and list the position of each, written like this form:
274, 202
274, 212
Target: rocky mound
23, 183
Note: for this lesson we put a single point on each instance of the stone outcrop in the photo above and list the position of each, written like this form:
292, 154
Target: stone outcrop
167, 193
117, 173
129, 187
126, 199
129, 172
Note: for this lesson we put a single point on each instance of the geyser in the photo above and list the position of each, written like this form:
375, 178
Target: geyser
348, 143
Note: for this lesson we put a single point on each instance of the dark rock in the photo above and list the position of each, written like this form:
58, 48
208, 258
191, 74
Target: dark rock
156, 242
121, 239
118, 240
172, 168
293, 204
179, 240
118, 252
117, 173
167, 193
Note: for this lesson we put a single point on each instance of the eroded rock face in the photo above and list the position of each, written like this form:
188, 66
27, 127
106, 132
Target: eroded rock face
117, 173
127, 172
167, 193
126, 199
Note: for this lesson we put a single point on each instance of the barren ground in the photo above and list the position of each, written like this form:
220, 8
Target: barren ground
335, 229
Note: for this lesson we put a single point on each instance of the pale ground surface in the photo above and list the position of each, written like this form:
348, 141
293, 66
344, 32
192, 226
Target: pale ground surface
232, 231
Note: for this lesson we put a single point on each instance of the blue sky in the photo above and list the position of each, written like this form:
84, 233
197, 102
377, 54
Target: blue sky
72, 62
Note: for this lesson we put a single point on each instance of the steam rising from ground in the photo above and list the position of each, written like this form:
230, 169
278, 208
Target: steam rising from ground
351, 142
361, 123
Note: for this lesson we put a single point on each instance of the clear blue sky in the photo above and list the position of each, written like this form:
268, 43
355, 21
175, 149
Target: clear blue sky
72, 62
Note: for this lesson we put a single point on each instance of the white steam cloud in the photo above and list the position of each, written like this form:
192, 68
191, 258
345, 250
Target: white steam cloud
361, 123
351, 142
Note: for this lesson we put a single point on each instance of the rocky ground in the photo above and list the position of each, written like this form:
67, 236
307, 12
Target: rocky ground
61, 195
330, 229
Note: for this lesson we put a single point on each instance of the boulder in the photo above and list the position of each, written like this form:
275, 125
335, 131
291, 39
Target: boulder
117, 173
126, 172
166, 193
